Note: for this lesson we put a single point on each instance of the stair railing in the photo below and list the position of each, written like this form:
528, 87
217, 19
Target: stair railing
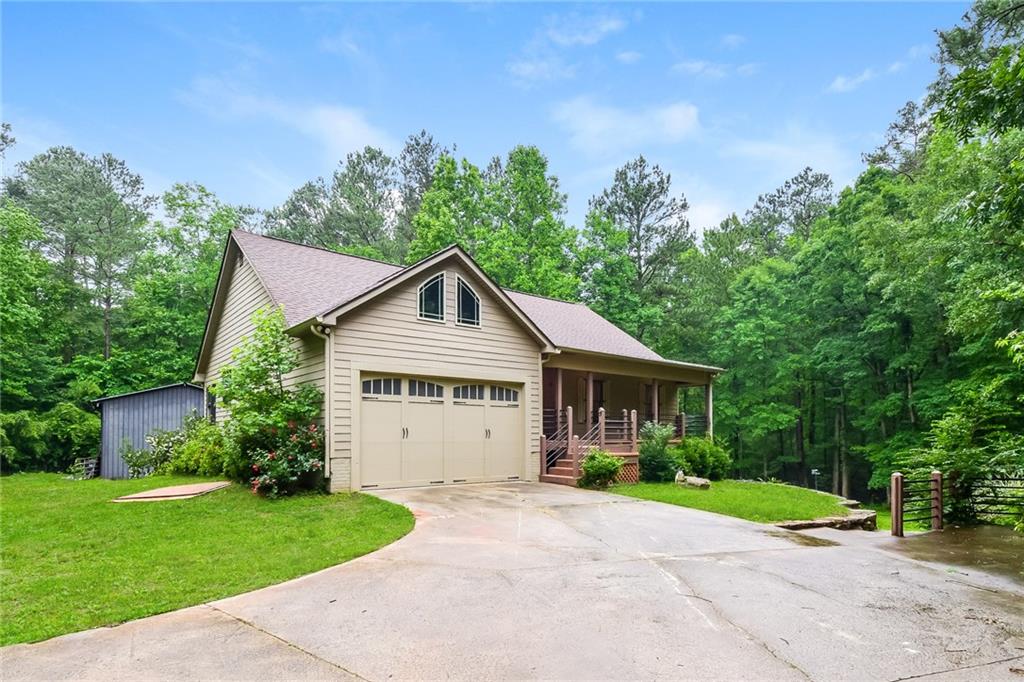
557, 446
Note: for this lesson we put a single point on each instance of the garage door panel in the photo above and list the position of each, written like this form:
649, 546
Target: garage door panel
504, 450
423, 448
381, 442
464, 442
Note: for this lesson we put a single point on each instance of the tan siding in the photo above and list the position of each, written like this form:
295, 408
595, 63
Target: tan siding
387, 333
246, 295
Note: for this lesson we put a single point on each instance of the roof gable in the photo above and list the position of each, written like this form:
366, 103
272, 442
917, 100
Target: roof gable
452, 253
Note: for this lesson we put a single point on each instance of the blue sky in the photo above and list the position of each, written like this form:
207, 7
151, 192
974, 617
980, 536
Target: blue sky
253, 99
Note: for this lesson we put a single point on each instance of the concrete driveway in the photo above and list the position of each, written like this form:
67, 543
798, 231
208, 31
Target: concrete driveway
541, 581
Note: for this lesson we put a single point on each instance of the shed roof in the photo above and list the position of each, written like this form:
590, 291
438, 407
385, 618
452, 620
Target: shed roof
147, 390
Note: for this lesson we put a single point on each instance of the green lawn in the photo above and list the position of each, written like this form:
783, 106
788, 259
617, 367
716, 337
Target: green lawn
763, 502
73, 560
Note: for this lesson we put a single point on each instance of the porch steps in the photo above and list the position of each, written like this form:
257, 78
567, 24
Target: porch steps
560, 480
561, 471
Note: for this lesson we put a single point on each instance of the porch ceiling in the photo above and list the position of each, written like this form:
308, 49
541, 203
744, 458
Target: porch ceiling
666, 370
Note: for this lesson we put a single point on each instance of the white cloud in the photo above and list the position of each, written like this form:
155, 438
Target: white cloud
344, 44
713, 70
918, 51
628, 56
732, 40
699, 67
547, 68
706, 213
850, 83
574, 29
785, 152
338, 129
597, 129
542, 58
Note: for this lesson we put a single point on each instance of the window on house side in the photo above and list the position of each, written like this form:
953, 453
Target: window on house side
469, 305
431, 298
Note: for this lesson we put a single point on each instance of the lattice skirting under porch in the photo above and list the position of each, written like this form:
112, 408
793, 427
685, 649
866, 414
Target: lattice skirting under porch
630, 472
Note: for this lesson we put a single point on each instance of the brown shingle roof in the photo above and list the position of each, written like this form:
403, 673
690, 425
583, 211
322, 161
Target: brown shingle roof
305, 280
308, 281
574, 325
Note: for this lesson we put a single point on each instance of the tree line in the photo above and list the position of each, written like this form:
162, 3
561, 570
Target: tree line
862, 331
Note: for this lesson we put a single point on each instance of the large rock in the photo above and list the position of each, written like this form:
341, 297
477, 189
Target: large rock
692, 481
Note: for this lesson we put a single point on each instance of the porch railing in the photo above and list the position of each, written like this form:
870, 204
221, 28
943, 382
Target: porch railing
618, 434
683, 424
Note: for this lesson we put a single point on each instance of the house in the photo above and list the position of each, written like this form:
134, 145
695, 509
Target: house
432, 374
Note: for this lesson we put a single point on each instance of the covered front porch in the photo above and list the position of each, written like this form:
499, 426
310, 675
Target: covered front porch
592, 400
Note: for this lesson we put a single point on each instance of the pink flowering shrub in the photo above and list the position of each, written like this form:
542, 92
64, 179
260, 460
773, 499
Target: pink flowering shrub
295, 462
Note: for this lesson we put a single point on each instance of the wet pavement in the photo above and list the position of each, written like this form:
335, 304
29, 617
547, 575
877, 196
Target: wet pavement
527, 581
992, 549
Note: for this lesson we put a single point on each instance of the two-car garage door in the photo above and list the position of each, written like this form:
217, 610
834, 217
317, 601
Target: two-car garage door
417, 431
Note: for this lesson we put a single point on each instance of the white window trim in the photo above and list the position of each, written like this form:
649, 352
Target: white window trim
444, 297
458, 305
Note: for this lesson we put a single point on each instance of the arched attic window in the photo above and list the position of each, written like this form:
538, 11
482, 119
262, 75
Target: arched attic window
431, 299
468, 312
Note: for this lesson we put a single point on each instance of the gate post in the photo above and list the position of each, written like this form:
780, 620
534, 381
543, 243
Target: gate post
574, 449
543, 454
936, 490
896, 503
600, 427
632, 429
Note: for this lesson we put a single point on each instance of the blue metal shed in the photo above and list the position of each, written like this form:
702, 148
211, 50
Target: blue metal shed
130, 417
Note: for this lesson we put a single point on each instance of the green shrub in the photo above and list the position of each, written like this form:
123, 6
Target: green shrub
599, 469
163, 444
205, 450
252, 387
51, 441
276, 454
297, 463
701, 457
22, 441
655, 463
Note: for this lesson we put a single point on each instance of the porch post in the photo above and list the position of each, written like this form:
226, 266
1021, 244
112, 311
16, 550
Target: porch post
574, 452
709, 406
632, 429
568, 424
654, 400
558, 399
590, 400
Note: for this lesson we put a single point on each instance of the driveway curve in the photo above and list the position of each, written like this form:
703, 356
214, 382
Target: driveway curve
526, 581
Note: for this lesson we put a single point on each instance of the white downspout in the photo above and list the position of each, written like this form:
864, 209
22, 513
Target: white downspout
324, 332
